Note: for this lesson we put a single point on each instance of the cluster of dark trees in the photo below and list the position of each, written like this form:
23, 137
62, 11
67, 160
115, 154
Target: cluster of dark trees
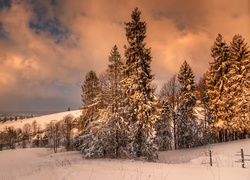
123, 117
222, 93
119, 111
55, 134
11, 137
228, 88
12, 118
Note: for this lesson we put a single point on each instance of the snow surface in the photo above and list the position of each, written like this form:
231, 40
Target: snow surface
42, 120
190, 164
187, 164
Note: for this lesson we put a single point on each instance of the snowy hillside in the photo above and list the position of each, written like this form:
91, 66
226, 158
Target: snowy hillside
189, 164
42, 120
223, 154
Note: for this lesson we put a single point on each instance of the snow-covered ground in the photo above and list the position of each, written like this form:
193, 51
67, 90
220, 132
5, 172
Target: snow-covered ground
190, 164
42, 120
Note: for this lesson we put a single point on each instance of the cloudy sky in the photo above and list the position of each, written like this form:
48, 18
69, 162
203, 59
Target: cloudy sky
47, 46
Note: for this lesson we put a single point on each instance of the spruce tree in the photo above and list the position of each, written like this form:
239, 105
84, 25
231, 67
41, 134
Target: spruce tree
216, 81
114, 72
239, 85
163, 126
114, 127
140, 102
90, 94
106, 136
186, 123
89, 141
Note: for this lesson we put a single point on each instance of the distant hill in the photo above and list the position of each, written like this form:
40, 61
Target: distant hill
42, 120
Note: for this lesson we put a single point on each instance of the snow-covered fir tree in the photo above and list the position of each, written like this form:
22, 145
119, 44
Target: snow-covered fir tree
115, 121
163, 126
216, 82
114, 73
186, 121
106, 136
171, 90
239, 85
140, 102
90, 140
90, 97
114, 126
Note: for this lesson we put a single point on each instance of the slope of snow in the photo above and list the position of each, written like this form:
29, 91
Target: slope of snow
221, 153
41, 163
42, 120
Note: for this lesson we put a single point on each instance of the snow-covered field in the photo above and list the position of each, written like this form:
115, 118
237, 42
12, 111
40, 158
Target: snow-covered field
191, 164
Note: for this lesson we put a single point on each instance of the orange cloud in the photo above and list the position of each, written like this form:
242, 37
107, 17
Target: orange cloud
33, 65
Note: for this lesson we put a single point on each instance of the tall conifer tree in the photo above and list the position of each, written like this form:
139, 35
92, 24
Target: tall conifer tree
186, 123
114, 127
216, 82
114, 73
239, 85
90, 92
140, 103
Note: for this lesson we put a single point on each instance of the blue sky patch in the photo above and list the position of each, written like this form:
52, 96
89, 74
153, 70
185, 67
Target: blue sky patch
5, 3
51, 26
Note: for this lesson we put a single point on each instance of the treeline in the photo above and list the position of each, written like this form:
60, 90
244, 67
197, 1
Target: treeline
223, 92
228, 88
6, 118
54, 135
122, 117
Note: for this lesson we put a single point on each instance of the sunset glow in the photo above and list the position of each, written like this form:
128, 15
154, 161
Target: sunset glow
46, 47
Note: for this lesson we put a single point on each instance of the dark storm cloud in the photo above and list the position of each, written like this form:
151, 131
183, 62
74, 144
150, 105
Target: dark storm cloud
46, 47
